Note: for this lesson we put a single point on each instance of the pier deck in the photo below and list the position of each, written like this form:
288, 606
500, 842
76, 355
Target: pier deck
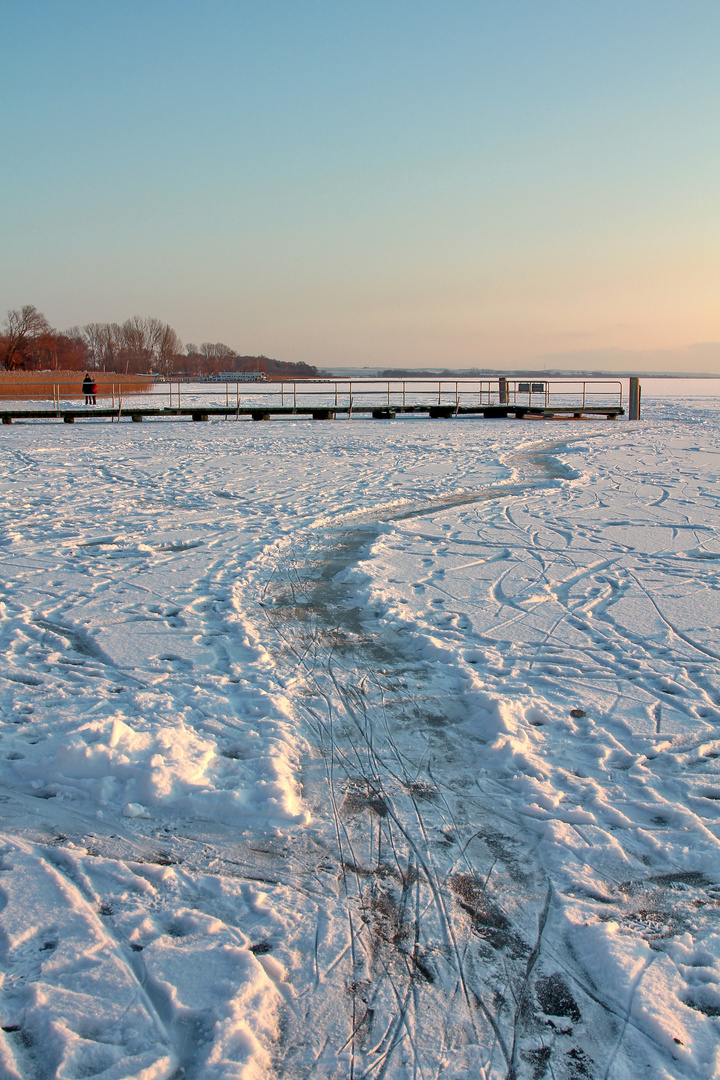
260, 412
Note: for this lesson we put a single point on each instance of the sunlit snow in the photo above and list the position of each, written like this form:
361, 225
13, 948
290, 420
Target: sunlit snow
362, 749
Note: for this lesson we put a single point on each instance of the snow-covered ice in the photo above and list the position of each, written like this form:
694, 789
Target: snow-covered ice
362, 749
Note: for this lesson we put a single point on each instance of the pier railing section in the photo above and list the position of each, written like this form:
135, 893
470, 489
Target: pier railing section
345, 395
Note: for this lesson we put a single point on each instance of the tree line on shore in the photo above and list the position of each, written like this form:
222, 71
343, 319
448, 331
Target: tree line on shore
140, 345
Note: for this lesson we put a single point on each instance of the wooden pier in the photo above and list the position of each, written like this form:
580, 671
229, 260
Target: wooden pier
331, 399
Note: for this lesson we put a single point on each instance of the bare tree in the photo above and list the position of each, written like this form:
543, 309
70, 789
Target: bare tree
24, 327
193, 362
94, 335
136, 344
167, 347
112, 347
140, 344
212, 354
148, 343
102, 342
216, 351
64, 352
90, 338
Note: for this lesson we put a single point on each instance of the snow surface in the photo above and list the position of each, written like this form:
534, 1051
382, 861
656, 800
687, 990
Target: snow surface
362, 749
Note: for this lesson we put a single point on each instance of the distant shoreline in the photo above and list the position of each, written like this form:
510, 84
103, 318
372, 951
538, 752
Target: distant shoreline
509, 373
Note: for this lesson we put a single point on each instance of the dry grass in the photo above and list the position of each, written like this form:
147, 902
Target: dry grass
41, 385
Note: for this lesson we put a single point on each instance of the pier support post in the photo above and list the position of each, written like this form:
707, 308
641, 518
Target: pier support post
634, 406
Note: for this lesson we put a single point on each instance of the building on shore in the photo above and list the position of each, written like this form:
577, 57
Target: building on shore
238, 376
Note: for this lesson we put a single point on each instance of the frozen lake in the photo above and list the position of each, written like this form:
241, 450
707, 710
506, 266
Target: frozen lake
362, 749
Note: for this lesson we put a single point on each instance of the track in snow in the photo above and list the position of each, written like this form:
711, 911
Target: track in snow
431, 956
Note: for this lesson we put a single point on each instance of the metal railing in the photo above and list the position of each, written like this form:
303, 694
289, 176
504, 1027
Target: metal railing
404, 393
348, 395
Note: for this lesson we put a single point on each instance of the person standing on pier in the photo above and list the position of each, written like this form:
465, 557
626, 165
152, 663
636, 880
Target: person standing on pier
87, 388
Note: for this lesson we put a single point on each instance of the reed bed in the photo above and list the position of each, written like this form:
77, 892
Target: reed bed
47, 385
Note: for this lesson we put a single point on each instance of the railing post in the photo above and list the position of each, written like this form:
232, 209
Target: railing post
336, 394
457, 397
502, 390
634, 413
294, 395
403, 393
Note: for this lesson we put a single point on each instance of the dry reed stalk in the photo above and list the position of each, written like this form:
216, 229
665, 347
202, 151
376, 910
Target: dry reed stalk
41, 385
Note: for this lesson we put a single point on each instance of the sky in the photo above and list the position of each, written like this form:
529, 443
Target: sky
405, 183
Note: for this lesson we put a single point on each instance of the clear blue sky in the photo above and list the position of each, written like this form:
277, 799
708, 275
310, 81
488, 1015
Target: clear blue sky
373, 183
